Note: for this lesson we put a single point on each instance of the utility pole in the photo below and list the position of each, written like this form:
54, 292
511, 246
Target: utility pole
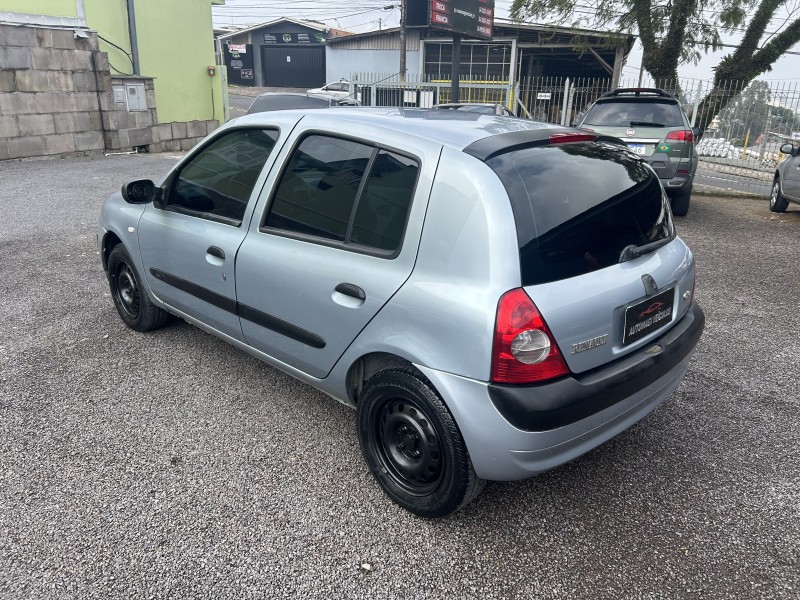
456, 68
402, 40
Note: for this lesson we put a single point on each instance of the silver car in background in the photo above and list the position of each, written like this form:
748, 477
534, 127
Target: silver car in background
786, 183
494, 297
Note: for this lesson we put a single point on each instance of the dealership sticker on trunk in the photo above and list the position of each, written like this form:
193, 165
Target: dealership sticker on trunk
648, 316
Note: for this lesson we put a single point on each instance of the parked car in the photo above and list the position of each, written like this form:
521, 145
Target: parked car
338, 89
493, 297
786, 185
269, 101
653, 125
486, 108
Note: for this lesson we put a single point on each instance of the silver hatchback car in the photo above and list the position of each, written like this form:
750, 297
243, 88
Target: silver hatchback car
494, 297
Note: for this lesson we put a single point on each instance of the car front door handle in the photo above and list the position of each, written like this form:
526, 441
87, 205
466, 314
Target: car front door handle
215, 251
349, 289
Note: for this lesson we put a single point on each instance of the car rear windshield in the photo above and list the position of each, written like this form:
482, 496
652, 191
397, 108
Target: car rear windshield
630, 113
578, 206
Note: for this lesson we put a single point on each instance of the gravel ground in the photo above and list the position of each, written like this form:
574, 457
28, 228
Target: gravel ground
172, 465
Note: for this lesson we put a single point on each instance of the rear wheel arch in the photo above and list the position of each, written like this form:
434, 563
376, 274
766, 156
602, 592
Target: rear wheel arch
368, 365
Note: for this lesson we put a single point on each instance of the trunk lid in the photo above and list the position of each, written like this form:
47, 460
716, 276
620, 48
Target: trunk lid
597, 247
587, 314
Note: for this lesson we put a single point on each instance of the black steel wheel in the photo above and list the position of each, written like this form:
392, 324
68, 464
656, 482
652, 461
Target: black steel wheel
131, 299
412, 445
777, 203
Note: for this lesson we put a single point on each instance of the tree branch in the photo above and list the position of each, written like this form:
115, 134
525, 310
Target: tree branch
768, 54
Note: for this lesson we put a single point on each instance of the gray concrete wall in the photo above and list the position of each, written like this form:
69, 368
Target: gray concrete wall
49, 100
57, 99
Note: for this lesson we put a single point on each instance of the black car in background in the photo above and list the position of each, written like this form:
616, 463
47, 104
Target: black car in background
289, 101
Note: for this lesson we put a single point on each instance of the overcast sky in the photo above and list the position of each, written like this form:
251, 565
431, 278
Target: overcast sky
369, 15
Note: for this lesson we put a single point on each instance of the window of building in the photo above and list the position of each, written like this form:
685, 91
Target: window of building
479, 62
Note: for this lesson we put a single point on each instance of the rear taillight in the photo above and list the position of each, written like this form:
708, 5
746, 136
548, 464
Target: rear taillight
687, 135
524, 350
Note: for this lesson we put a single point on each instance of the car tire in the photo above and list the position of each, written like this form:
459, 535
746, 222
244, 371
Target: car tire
130, 297
777, 203
680, 203
413, 446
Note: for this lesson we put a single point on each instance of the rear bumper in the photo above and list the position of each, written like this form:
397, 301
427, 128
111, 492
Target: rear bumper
675, 176
569, 399
514, 432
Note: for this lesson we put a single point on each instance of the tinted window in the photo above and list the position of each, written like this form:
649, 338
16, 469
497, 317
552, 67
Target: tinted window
318, 189
380, 216
327, 192
577, 206
623, 113
218, 181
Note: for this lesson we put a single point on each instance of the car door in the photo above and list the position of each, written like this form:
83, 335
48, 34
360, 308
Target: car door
791, 175
336, 238
189, 242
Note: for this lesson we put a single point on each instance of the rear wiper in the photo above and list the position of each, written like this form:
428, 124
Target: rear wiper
631, 252
646, 124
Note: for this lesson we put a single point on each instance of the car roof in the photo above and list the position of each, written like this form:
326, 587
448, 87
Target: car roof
456, 129
457, 104
638, 94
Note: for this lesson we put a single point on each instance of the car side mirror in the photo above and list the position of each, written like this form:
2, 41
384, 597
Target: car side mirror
787, 149
141, 191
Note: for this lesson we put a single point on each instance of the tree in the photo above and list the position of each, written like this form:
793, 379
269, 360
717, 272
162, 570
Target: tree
674, 32
748, 112
755, 112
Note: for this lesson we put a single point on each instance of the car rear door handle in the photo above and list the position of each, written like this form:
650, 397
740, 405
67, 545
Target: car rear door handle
215, 251
349, 289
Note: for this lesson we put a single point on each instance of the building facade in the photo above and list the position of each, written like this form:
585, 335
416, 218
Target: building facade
284, 53
515, 52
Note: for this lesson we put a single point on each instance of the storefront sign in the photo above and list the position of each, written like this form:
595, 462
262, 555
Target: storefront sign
294, 38
473, 18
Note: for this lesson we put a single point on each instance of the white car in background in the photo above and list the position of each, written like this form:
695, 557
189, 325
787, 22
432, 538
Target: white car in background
338, 89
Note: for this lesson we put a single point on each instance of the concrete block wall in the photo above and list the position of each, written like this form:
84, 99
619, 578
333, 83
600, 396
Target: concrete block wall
57, 99
179, 137
49, 84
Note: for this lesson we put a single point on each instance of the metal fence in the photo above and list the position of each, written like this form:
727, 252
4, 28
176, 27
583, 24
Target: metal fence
739, 148
424, 92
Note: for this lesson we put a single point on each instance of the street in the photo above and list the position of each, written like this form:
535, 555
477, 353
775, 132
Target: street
171, 464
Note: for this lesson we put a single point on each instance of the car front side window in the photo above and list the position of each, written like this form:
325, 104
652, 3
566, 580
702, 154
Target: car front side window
217, 182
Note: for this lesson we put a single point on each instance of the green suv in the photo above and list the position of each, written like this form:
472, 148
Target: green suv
653, 125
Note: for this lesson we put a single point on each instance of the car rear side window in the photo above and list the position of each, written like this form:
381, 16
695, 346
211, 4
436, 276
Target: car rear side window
346, 192
626, 113
217, 182
578, 206
380, 216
